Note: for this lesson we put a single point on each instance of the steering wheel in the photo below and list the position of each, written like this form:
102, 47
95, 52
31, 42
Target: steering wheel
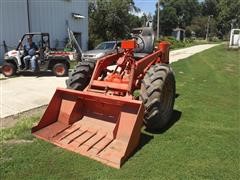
140, 43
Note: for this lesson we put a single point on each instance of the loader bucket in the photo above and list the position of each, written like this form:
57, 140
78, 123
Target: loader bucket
104, 128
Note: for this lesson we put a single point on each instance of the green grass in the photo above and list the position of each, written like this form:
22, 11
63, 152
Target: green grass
203, 144
73, 64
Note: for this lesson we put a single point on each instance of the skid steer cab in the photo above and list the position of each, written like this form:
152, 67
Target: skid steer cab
47, 59
99, 116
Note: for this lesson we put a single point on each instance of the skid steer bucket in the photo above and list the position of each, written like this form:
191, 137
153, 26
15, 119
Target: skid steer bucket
104, 128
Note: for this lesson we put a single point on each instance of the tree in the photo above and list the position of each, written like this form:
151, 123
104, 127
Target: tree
110, 20
193, 14
134, 21
209, 7
199, 25
144, 19
229, 15
226, 14
174, 13
168, 20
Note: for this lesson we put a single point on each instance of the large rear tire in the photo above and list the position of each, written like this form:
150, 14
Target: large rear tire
158, 95
9, 69
81, 75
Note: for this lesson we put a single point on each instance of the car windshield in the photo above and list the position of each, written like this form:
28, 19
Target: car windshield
105, 45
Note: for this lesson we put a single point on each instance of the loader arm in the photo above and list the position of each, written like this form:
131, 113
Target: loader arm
143, 64
128, 81
161, 55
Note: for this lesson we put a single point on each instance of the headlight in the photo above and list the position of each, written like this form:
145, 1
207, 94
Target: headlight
99, 55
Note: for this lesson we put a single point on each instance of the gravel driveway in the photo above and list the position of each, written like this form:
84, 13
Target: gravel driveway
27, 92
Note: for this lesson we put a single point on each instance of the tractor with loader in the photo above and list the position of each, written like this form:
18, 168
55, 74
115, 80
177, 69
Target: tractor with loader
98, 116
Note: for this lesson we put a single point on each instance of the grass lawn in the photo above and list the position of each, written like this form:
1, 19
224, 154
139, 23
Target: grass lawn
204, 143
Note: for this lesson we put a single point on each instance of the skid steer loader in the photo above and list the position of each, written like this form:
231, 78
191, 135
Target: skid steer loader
104, 120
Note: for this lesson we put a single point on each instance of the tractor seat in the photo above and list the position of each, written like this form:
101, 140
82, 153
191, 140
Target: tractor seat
147, 36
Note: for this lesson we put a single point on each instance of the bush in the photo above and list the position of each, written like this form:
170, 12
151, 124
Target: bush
179, 44
214, 39
174, 43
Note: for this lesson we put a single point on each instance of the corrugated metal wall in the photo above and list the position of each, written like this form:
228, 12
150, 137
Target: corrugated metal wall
13, 22
52, 16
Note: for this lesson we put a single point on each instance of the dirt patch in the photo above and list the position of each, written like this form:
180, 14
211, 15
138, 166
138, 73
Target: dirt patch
18, 141
230, 67
10, 121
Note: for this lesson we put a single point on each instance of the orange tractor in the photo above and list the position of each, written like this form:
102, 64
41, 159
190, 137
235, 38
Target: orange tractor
104, 120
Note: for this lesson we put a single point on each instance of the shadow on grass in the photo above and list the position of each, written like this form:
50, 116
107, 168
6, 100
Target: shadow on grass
177, 95
175, 117
146, 138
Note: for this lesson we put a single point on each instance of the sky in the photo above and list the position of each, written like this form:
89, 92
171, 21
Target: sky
147, 6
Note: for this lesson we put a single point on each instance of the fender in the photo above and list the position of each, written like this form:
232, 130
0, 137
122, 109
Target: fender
12, 60
16, 55
54, 60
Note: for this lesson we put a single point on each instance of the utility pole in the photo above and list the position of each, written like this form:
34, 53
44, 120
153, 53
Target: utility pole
208, 24
233, 21
158, 19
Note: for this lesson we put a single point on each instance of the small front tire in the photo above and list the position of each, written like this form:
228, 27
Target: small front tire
60, 70
9, 69
81, 75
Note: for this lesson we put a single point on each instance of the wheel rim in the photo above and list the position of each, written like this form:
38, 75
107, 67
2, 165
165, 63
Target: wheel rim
7, 70
60, 70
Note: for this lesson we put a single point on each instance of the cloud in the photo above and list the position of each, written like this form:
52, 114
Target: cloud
139, 14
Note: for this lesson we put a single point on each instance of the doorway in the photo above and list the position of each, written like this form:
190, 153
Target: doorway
78, 37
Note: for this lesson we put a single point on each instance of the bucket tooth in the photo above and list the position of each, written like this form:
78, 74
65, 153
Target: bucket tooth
104, 128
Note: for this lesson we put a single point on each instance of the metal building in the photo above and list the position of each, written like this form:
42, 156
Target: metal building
53, 16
